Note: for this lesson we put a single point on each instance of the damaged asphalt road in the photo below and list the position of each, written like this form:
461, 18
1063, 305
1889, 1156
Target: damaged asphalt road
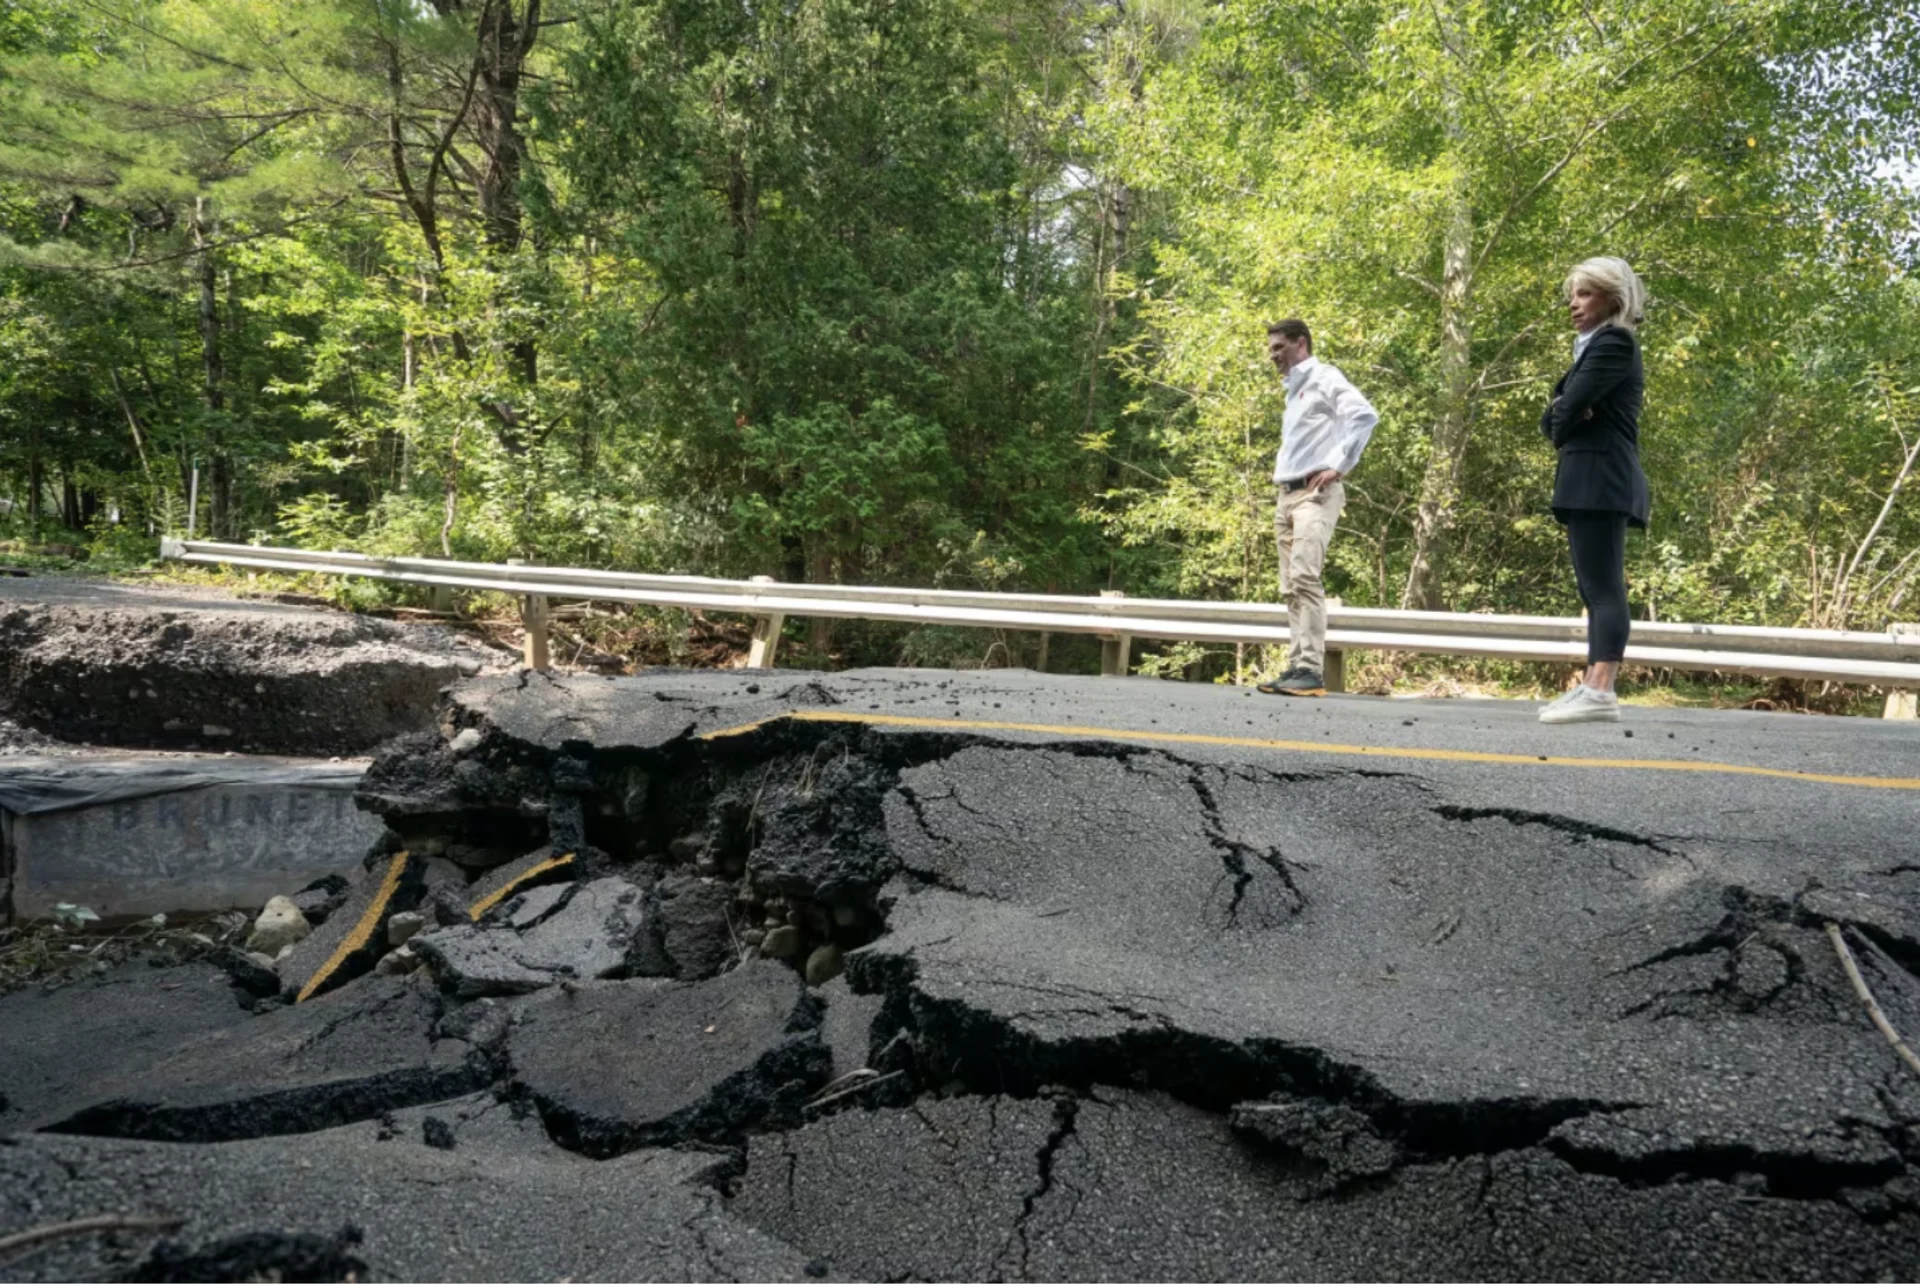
907, 975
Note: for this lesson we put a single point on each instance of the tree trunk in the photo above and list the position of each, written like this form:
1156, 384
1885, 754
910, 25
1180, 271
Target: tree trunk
506, 40
220, 477
819, 628
1440, 488
36, 478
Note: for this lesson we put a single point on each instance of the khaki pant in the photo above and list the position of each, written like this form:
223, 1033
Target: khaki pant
1303, 524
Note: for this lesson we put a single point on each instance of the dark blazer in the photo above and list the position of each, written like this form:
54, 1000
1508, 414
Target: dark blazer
1599, 465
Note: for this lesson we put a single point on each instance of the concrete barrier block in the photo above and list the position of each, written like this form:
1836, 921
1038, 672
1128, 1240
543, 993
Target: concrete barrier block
232, 840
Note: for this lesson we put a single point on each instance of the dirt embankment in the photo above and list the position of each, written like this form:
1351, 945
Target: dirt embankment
105, 664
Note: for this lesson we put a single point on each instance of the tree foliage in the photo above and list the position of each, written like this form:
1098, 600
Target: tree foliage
961, 291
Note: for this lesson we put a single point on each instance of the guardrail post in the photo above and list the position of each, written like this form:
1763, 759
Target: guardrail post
1333, 671
766, 634
1903, 704
533, 618
440, 597
1116, 650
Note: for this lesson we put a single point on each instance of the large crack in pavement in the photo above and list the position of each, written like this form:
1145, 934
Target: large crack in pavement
1106, 1010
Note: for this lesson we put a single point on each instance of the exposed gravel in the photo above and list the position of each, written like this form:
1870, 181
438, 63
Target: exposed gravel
100, 663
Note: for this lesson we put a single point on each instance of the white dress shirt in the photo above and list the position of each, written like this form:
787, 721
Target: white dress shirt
1326, 425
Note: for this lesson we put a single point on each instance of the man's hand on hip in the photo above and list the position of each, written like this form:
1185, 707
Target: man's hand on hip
1325, 477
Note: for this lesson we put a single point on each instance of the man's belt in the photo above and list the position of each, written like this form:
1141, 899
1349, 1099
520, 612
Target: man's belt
1298, 484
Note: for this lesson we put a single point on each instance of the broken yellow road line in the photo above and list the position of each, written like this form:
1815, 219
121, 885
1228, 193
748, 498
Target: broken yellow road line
500, 894
362, 932
1315, 747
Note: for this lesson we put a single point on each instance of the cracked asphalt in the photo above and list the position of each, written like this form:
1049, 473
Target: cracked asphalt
1142, 980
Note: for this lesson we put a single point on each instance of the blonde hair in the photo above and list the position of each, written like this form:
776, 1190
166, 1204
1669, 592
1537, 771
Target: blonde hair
1618, 282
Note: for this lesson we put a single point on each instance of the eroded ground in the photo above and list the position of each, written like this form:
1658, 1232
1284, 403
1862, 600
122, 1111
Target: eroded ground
898, 976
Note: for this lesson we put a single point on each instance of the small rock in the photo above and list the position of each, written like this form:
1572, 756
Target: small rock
437, 1133
846, 916
467, 741
782, 943
474, 857
404, 925
279, 926
285, 950
397, 963
261, 958
824, 964
439, 870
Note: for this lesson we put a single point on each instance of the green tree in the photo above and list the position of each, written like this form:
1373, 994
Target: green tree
1419, 179
861, 348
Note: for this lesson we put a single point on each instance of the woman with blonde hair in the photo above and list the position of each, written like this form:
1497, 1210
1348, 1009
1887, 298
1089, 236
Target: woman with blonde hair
1599, 489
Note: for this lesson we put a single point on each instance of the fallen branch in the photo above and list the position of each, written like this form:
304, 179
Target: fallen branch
868, 1081
81, 1226
1866, 997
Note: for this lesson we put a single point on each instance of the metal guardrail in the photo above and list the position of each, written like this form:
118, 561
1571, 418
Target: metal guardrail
1890, 659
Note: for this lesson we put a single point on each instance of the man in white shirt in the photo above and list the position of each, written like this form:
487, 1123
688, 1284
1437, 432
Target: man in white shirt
1327, 425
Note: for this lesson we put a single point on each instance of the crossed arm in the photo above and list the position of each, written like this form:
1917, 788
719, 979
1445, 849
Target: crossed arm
1608, 361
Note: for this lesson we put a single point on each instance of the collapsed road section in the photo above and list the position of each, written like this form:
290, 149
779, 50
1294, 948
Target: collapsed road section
895, 976
106, 664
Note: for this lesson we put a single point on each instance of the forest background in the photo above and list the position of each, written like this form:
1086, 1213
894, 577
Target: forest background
965, 293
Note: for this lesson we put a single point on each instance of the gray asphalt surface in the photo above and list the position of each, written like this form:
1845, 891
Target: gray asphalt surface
72, 591
1166, 982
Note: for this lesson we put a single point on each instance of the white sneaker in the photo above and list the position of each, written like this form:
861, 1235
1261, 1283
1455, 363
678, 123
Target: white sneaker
1583, 705
1565, 696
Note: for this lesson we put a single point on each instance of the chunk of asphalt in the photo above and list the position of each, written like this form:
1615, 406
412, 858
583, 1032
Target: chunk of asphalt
615, 1066
530, 871
422, 1213
351, 1054
588, 937
246, 971
847, 1026
57, 1046
354, 937
319, 899
525, 909
959, 1173
1331, 1140
256, 1256
694, 933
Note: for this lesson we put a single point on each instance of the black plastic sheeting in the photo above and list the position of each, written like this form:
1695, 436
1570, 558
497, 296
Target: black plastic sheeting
29, 786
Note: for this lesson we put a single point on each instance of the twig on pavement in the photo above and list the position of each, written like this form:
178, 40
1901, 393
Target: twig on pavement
1866, 997
81, 1226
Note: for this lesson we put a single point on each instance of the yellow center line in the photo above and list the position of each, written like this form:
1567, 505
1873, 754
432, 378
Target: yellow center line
500, 894
1315, 747
362, 932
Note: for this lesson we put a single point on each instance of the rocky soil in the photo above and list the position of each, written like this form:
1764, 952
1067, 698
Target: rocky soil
649, 980
102, 664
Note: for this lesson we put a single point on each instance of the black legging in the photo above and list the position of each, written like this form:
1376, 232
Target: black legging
1599, 544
